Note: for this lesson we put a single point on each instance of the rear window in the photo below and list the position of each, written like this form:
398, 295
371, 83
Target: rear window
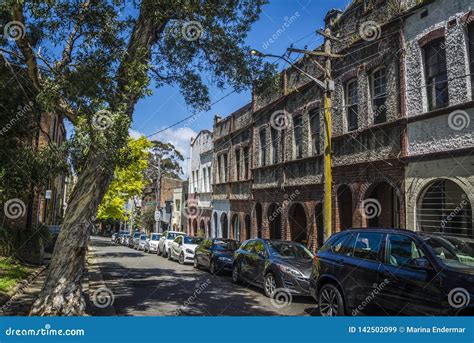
231, 245
172, 235
155, 237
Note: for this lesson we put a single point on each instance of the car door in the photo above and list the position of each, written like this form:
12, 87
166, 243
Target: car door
206, 253
245, 259
176, 246
409, 288
357, 269
256, 262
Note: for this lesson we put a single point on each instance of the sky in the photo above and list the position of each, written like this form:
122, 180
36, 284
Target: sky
166, 106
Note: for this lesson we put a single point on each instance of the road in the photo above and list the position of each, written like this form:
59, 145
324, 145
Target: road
145, 284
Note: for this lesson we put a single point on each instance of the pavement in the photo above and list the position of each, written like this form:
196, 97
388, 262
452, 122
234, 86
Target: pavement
134, 283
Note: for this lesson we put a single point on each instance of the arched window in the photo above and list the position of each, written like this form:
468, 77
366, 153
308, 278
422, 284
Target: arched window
444, 207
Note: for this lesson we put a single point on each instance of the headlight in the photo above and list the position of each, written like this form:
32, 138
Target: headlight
289, 270
225, 259
189, 251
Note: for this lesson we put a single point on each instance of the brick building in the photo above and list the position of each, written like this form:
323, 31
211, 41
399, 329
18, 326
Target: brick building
231, 198
402, 138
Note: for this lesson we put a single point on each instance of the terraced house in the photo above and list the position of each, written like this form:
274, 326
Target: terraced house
402, 138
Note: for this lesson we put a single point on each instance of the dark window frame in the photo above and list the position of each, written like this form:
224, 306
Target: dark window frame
298, 136
352, 104
379, 94
263, 147
315, 117
436, 74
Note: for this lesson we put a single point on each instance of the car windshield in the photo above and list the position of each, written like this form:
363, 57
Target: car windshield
289, 249
221, 244
136, 234
452, 251
155, 237
172, 235
143, 237
192, 240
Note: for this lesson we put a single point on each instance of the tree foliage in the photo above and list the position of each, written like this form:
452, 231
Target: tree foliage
128, 180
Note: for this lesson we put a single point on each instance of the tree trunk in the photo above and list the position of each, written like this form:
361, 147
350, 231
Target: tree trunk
62, 291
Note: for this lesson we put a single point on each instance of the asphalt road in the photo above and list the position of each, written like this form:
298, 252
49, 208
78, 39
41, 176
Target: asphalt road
145, 284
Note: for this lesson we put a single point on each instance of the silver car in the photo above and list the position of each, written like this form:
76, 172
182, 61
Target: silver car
151, 244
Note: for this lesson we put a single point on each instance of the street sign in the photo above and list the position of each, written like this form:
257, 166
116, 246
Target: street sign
157, 216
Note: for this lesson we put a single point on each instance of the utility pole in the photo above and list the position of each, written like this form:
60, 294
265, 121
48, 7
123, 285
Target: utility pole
157, 192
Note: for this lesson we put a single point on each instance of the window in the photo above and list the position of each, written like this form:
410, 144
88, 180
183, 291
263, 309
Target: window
218, 169
352, 99
263, 148
225, 172
298, 135
237, 164
177, 205
274, 137
368, 245
436, 75
379, 95
246, 163
401, 250
471, 55
315, 131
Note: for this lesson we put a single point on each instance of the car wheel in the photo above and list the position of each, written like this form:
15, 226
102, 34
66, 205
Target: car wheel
212, 267
181, 259
196, 264
270, 285
168, 254
330, 301
235, 273
163, 253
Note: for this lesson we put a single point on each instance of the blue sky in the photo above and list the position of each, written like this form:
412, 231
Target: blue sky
166, 106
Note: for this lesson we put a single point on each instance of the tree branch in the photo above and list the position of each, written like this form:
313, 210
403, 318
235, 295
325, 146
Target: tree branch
73, 36
25, 47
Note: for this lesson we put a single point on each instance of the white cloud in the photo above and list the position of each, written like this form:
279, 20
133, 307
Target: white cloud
179, 137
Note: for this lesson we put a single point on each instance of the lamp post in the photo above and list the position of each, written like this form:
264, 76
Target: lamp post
327, 86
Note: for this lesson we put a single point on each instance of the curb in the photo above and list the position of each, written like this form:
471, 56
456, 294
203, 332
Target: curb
23, 284
95, 283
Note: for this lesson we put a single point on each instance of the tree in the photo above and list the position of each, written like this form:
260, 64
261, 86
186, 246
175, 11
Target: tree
128, 180
106, 63
147, 218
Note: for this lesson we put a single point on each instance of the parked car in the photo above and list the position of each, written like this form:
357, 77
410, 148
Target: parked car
125, 239
272, 265
151, 244
182, 248
165, 240
216, 254
141, 242
413, 273
133, 240
119, 236
114, 236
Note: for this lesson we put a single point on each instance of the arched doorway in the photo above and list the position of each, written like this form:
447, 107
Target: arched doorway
224, 225
274, 221
298, 223
202, 228
344, 207
382, 207
215, 225
195, 227
444, 207
247, 227
236, 227
258, 215
319, 222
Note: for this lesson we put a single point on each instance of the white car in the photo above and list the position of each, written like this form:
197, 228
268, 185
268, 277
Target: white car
151, 244
183, 247
165, 240
142, 241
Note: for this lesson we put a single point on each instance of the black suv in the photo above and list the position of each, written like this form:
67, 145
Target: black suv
273, 265
394, 271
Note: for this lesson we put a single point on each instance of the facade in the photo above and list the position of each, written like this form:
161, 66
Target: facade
232, 193
439, 63
402, 138
197, 208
